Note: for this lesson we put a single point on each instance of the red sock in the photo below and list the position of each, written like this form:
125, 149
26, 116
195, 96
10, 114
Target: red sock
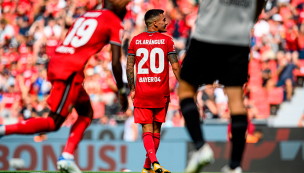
156, 139
149, 146
76, 133
31, 126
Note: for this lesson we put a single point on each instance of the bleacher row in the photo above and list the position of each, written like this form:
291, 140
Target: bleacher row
267, 102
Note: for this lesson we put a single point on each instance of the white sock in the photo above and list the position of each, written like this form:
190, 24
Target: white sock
2, 130
67, 155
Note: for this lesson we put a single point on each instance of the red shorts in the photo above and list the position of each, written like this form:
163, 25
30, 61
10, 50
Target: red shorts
148, 115
66, 94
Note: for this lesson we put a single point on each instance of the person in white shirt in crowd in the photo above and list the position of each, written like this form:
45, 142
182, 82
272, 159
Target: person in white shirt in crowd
131, 129
6, 32
52, 29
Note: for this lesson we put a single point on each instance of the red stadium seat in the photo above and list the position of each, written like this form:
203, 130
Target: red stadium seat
263, 110
259, 94
297, 72
255, 80
254, 67
276, 96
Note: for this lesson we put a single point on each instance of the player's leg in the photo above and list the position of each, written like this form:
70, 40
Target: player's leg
196, 70
82, 104
161, 116
204, 154
156, 138
156, 134
59, 101
144, 116
236, 73
148, 141
34, 125
85, 115
238, 126
186, 94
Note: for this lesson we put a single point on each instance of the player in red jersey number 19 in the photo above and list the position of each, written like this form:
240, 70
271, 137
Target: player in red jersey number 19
88, 35
151, 52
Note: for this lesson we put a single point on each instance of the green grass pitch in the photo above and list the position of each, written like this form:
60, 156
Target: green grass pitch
59, 172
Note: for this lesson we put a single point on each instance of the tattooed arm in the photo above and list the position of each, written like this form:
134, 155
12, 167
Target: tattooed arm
130, 71
175, 65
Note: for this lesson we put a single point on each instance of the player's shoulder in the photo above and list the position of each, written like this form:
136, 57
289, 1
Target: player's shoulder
165, 36
102, 14
93, 14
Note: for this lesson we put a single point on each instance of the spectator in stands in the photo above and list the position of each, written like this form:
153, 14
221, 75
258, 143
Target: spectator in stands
268, 83
178, 120
106, 121
6, 32
28, 111
301, 40
252, 110
108, 96
285, 72
178, 29
52, 29
221, 101
291, 36
271, 9
23, 24
131, 129
206, 102
42, 108
10, 103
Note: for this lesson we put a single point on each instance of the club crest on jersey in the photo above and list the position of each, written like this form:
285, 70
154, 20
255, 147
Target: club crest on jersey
149, 79
161, 41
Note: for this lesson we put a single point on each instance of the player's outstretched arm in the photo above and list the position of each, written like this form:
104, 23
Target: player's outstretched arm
175, 65
117, 71
130, 74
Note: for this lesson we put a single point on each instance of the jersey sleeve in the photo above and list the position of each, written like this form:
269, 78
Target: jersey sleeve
116, 34
170, 47
131, 50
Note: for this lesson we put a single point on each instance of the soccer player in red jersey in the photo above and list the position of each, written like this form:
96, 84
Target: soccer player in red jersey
88, 34
151, 52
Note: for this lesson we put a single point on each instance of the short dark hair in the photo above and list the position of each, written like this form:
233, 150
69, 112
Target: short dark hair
151, 14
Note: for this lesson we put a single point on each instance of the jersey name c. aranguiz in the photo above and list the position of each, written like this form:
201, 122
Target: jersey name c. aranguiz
151, 50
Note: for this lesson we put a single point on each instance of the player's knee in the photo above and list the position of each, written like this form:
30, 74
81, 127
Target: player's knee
55, 121
147, 128
188, 106
85, 110
186, 90
57, 127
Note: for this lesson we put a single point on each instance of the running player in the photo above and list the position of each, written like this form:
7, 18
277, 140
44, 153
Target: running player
89, 34
151, 52
219, 49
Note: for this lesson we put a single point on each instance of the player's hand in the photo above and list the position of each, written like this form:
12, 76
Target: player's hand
124, 102
132, 95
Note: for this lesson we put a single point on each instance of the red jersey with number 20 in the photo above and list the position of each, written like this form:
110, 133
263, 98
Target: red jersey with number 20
151, 51
88, 35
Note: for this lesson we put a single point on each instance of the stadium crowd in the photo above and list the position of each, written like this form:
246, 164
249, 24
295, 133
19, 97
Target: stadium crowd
30, 31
